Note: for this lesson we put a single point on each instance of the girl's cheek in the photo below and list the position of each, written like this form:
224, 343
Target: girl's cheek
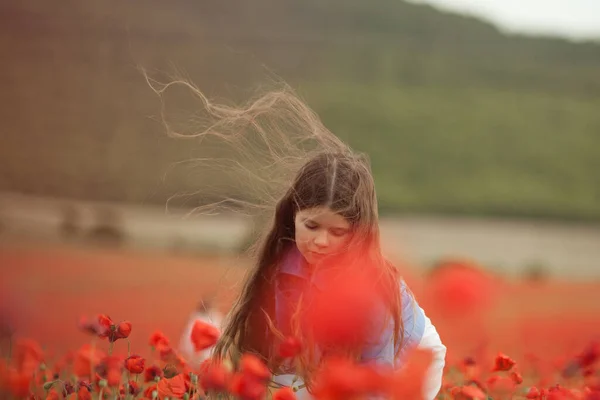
337, 244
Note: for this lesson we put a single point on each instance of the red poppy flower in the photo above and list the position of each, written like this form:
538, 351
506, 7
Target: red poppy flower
18, 383
112, 366
149, 390
123, 329
460, 288
204, 335
290, 347
83, 393
246, 387
91, 327
152, 372
284, 393
408, 381
516, 377
503, 363
158, 338
135, 364
53, 395
533, 393
86, 359
173, 388
132, 388
166, 353
112, 331
28, 355
341, 315
213, 376
252, 366
340, 378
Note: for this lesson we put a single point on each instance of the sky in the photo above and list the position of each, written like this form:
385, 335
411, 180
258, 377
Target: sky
575, 19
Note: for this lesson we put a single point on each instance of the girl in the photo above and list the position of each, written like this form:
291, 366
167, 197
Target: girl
325, 222
329, 214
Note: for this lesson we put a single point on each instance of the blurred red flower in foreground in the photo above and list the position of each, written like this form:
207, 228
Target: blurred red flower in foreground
18, 382
204, 335
341, 378
341, 314
28, 355
91, 326
290, 347
86, 359
110, 368
250, 382
247, 388
252, 366
158, 338
459, 288
408, 382
213, 376
284, 393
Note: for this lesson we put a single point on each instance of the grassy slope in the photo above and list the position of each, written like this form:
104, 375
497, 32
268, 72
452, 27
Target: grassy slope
456, 117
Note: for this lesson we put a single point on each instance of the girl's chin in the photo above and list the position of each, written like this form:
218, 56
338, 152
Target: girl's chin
316, 258
311, 257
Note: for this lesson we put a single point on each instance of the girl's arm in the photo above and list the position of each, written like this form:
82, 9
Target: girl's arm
418, 332
381, 349
431, 340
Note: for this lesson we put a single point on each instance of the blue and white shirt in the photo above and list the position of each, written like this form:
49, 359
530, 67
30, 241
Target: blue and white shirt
293, 277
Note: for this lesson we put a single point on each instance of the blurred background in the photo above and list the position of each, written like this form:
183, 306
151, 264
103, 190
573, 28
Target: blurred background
480, 118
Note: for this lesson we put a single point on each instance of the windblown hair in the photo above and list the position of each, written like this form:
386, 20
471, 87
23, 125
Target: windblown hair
285, 161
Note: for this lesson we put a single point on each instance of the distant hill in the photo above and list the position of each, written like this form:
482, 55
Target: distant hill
457, 117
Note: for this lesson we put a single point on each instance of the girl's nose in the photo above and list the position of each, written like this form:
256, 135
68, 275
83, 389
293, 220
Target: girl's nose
322, 239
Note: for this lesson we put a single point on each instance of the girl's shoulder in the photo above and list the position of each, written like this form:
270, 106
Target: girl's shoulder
291, 263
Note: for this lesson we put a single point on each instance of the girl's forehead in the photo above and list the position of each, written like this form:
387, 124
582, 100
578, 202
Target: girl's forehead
324, 215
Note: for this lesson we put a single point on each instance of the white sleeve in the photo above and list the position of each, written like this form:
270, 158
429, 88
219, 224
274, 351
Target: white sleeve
431, 340
186, 346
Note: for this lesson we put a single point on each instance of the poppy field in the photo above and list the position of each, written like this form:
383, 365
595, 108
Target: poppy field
91, 323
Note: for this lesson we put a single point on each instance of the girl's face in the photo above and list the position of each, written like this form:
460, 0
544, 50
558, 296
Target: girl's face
321, 232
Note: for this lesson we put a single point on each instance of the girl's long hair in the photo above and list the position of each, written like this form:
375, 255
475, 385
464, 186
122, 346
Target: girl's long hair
282, 159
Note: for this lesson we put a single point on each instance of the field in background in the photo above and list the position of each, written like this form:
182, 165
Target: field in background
53, 286
509, 247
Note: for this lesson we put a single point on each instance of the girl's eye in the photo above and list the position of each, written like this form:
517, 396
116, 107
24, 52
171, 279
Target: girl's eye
338, 232
311, 226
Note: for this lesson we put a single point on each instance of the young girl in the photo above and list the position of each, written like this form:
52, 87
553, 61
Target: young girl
325, 222
330, 209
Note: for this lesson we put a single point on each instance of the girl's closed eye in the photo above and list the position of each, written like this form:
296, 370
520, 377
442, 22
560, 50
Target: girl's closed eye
339, 232
311, 225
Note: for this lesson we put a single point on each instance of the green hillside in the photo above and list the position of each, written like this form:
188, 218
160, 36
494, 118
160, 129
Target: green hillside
457, 117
